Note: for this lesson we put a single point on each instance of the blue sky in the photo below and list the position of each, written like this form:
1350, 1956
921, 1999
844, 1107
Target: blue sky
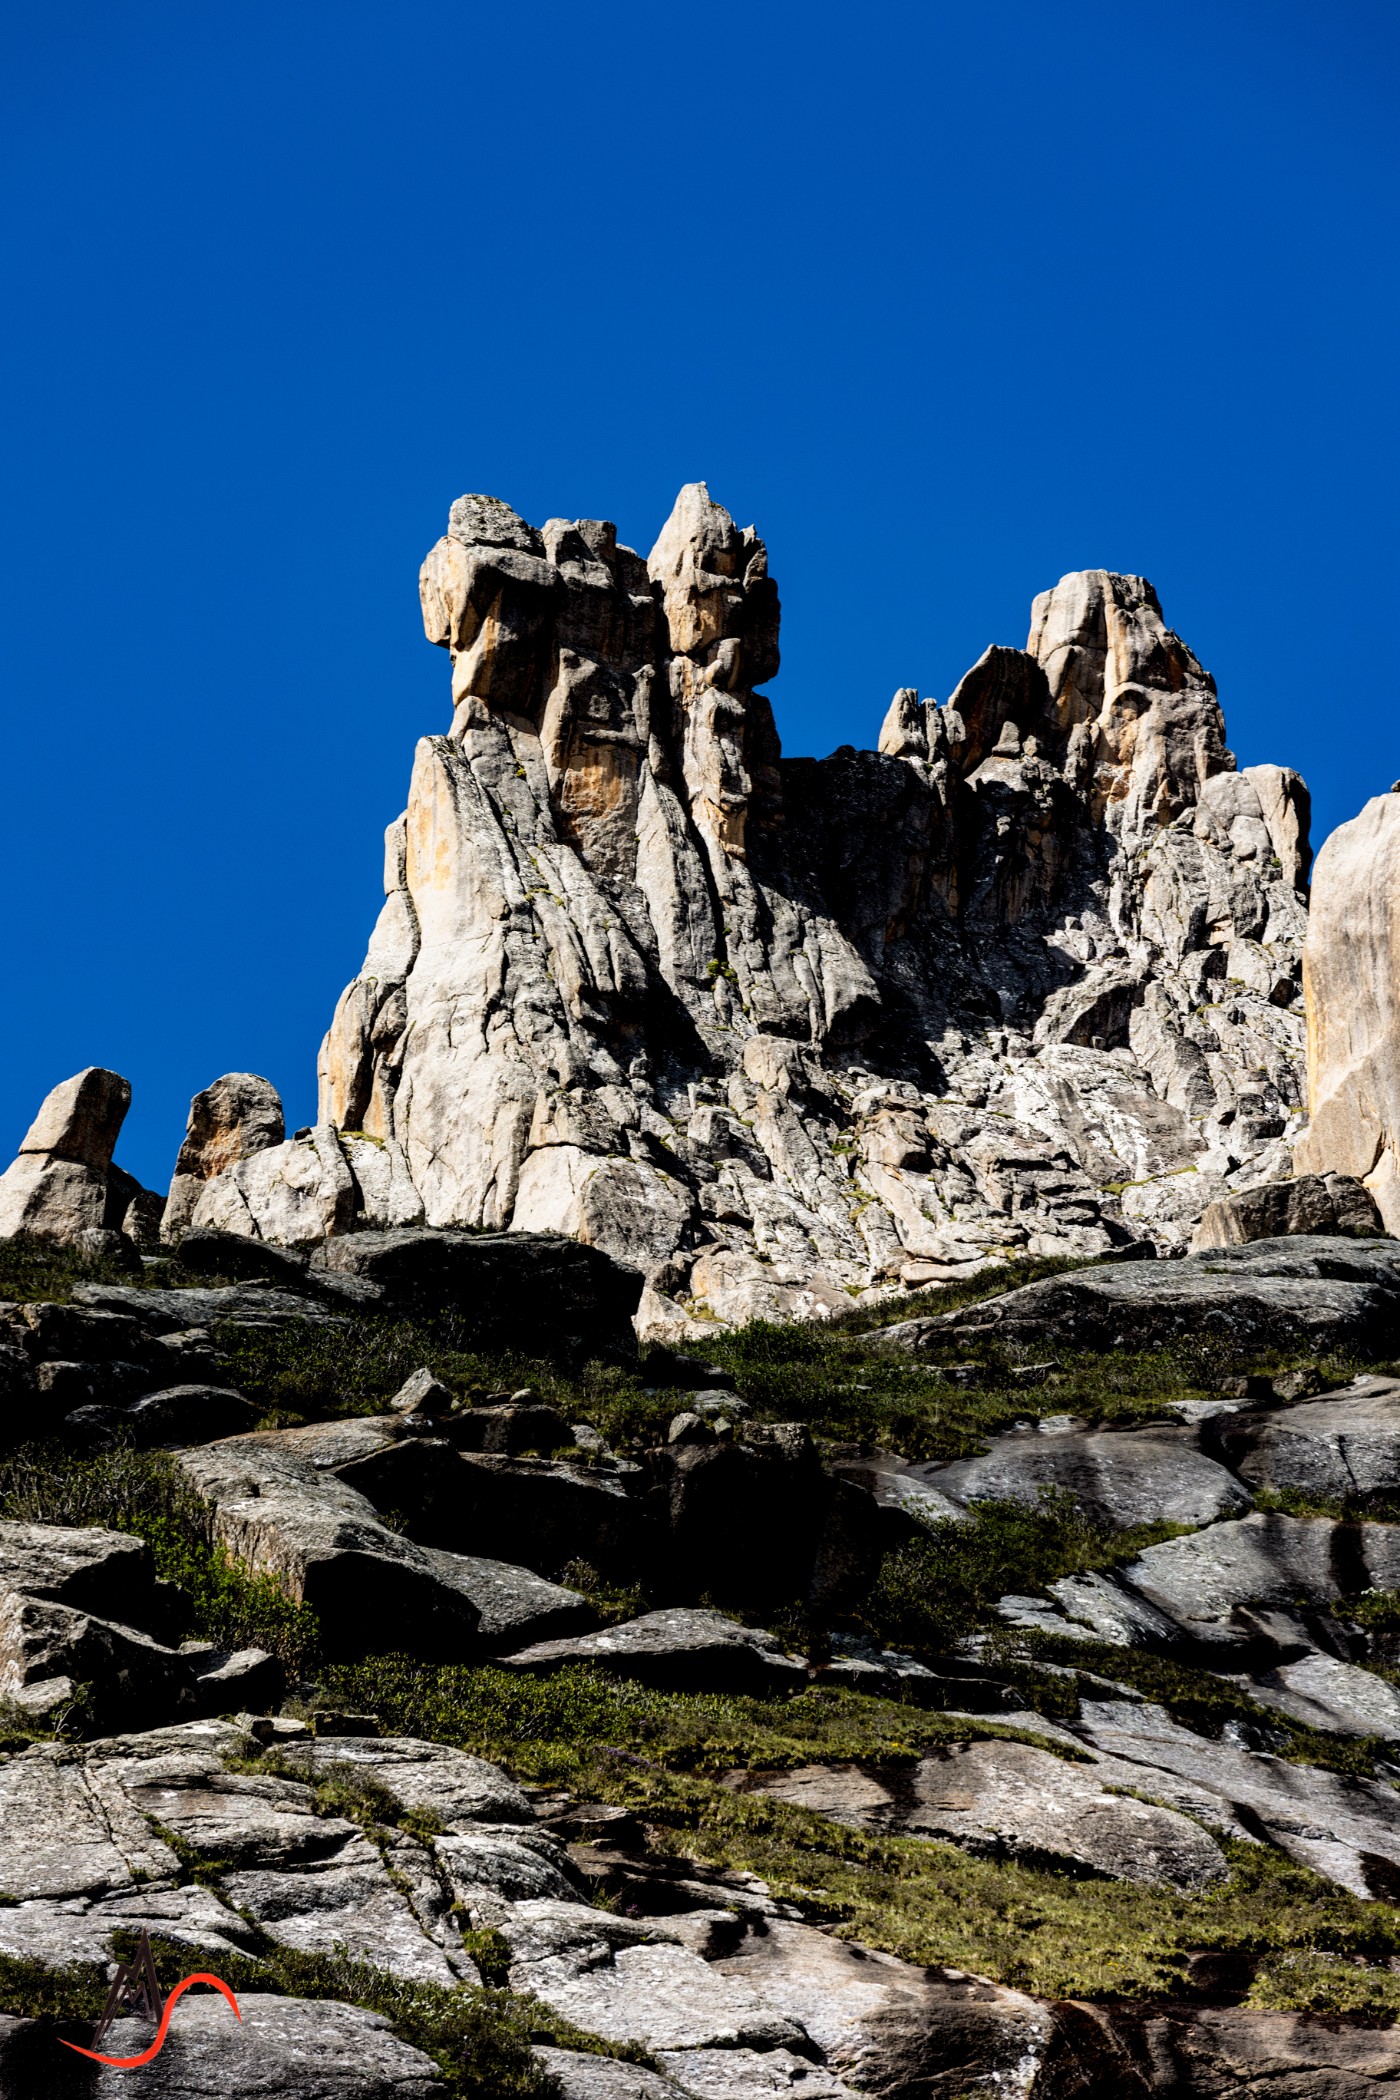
946, 299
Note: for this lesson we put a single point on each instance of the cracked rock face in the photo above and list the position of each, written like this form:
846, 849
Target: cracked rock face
780, 1032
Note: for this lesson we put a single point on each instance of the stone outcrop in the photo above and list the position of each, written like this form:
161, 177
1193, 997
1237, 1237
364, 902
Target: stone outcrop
62, 1185
1336, 1294
1351, 982
232, 1121
780, 1033
1311, 1204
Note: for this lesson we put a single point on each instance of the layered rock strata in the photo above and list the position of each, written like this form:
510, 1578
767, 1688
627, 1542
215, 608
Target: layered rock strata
784, 1032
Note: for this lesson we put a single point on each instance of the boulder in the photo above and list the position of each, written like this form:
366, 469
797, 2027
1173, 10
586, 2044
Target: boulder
1313, 1204
502, 1290
236, 1117
57, 1187
544, 1511
1012, 1801
370, 1588
231, 1256
1118, 1478
190, 1414
513, 1603
1341, 1448
422, 1394
675, 1650
1334, 1294
235, 1680
77, 1609
510, 1430
761, 1522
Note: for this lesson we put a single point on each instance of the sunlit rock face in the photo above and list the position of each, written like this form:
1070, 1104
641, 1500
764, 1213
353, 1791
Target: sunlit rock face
786, 1032
1351, 974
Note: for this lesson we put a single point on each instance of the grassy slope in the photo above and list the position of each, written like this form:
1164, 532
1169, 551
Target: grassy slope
1308, 1943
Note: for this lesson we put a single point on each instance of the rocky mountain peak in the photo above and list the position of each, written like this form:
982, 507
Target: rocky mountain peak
786, 1032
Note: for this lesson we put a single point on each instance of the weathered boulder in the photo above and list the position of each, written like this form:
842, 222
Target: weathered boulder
79, 1609
1350, 987
58, 1186
369, 1587
1117, 1477
512, 1429
761, 1522
675, 1650
1334, 1293
236, 1117
190, 1414
1013, 1801
1313, 1204
545, 1512
1343, 1448
232, 1256
544, 1294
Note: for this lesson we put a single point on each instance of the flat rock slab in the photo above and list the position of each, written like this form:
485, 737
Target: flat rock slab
746, 2074
1341, 1448
458, 1789
1343, 1828
580, 2077
1331, 1293
315, 2049
668, 1998
1008, 1800
677, 1650
172, 1311
1336, 1696
1117, 1477
1263, 1560
67, 1829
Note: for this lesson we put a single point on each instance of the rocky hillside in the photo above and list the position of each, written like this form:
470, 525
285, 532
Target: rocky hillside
999, 1700
786, 1032
454, 1590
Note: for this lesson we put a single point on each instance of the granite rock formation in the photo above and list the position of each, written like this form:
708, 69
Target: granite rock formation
1351, 971
62, 1184
785, 1032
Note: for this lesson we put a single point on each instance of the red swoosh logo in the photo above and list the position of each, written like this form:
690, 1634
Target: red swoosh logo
132, 2063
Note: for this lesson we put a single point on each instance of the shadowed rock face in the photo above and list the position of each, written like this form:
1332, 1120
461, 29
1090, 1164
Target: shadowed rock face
782, 1032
